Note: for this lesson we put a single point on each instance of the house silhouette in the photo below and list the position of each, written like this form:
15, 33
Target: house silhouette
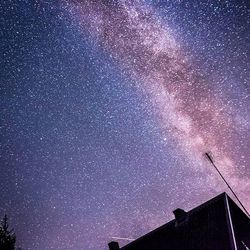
218, 224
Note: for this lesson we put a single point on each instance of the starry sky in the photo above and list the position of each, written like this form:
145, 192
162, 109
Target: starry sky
107, 109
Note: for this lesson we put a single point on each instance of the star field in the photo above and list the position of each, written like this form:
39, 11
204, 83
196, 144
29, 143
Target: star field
107, 109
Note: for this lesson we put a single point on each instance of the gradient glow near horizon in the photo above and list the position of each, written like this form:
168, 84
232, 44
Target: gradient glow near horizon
108, 109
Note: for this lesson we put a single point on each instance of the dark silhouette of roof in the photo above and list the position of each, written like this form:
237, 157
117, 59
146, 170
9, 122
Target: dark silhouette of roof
218, 224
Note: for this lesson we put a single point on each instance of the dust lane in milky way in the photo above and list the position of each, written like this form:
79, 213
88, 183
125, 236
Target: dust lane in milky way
184, 100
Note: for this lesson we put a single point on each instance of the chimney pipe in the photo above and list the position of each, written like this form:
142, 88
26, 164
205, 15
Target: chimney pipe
113, 245
180, 215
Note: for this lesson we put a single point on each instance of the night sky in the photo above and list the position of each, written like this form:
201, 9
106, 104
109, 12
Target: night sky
107, 109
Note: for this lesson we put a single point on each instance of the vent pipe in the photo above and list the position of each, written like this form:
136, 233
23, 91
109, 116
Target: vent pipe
113, 245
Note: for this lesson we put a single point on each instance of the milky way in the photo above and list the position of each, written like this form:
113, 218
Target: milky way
107, 109
186, 103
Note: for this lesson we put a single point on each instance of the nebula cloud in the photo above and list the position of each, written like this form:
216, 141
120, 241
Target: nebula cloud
184, 100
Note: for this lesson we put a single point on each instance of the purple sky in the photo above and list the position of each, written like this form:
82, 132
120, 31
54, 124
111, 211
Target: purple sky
107, 108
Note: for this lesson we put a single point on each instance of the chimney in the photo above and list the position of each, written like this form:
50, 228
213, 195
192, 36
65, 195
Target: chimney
113, 245
180, 215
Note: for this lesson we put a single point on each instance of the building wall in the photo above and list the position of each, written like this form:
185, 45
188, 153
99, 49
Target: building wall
241, 225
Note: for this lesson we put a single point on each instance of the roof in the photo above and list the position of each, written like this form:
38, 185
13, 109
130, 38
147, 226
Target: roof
202, 225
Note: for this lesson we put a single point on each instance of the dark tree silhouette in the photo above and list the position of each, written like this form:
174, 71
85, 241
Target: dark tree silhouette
7, 237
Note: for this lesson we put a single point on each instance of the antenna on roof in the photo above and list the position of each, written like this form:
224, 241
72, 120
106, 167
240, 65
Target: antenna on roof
210, 159
245, 245
120, 238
